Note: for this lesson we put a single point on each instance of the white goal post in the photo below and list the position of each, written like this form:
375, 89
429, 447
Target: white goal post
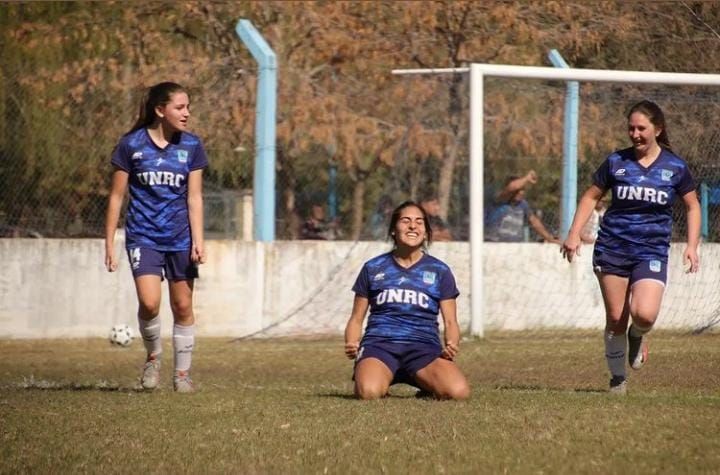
478, 71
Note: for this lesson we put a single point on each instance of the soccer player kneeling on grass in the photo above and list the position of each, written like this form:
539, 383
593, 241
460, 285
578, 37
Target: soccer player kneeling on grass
631, 252
404, 290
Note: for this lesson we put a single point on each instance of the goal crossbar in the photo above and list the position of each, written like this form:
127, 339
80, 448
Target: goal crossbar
477, 73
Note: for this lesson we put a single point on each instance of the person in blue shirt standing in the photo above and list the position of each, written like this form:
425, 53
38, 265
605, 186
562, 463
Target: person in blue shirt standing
161, 163
405, 289
631, 251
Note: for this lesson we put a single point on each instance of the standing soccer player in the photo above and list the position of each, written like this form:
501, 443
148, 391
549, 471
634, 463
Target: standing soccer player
631, 251
161, 163
404, 290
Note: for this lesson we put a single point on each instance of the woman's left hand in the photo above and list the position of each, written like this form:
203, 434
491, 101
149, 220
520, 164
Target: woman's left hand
197, 254
450, 351
691, 256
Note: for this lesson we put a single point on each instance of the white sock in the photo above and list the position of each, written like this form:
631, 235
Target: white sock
183, 343
150, 332
615, 348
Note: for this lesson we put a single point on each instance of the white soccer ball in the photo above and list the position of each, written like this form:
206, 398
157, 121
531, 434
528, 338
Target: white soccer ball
121, 335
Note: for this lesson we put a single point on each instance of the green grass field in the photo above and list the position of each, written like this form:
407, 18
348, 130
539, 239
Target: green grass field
284, 406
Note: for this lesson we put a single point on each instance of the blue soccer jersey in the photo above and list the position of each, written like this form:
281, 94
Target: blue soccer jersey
639, 221
157, 215
404, 303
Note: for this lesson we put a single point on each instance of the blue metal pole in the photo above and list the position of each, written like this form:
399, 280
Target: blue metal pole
332, 191
570, 147
264, 178
704, 214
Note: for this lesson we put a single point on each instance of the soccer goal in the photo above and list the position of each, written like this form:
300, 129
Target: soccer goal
531, 286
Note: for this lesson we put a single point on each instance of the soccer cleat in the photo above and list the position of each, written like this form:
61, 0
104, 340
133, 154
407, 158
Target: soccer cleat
618, 385
182, 382
637, 350
151, 373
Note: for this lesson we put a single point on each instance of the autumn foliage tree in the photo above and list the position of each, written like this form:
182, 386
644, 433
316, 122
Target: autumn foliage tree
72, 75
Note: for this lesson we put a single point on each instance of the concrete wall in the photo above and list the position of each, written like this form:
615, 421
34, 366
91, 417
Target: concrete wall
59, 288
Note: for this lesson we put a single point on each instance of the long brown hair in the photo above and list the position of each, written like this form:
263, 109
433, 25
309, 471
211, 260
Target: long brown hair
157, 95
655, 114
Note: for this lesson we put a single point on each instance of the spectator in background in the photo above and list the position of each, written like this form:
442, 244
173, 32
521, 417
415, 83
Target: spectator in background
510, 212
317, 226
441, 232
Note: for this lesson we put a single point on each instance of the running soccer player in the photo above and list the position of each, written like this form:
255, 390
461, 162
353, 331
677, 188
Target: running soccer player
631, 252
161, 163
404, 290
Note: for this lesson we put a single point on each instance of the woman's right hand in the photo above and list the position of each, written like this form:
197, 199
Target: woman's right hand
571, 247
110, 262
351, 349
531, 177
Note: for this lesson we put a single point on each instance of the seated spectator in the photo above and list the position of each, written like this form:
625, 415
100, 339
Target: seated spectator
317, 226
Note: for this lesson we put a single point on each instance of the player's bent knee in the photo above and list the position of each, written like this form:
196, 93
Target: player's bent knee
457, 392
645, 319
370, 388
368, 392
148, 311
182, 309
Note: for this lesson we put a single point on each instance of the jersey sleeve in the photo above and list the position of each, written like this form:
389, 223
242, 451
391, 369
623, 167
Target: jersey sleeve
361, 286
448, 287
199, 159
526, 209
602, 176
121, 156
686, 183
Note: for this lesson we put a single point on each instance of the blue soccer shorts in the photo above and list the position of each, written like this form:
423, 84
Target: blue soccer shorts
634, 269
173, 265
403, 359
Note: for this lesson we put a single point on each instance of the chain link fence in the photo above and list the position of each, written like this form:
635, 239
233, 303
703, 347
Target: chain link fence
58, 129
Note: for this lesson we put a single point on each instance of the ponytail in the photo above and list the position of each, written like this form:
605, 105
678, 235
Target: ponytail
157, 95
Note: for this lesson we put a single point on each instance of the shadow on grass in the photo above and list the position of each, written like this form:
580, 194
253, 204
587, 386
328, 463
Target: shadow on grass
32, 384
538, 388
401, 395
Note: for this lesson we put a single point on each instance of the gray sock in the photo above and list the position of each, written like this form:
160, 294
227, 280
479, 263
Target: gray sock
150, 332
183, 344
615, 348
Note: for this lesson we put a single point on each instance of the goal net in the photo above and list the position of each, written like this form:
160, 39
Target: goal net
525, 285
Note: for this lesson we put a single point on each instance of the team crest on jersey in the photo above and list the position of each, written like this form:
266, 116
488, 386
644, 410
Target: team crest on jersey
429, 277
666, 175
379, 276
182, 156
655, 266
137, 156
620, 172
